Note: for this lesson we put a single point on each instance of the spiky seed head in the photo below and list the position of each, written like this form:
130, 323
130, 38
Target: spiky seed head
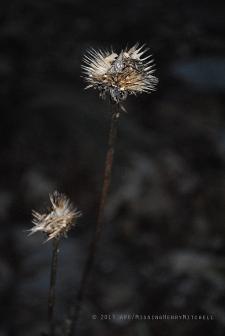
59, 220
118, 75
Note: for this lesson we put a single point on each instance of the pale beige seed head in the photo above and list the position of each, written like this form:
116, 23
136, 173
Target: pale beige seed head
59, 220
118, 75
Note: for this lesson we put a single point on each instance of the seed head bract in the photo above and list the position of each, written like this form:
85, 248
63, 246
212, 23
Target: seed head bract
118, 75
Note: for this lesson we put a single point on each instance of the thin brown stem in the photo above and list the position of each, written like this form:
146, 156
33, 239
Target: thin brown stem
75, 310
51, 295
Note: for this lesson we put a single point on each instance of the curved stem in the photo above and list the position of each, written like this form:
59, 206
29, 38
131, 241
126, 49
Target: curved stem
75, 310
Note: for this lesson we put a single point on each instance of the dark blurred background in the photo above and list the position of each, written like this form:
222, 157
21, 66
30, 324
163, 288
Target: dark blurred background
162, 250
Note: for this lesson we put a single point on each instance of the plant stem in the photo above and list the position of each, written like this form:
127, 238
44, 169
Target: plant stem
51, 295
75, 310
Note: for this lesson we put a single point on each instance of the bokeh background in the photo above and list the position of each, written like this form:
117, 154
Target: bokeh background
162, 250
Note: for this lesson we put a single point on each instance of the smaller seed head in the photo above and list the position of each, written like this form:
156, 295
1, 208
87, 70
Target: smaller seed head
59, 220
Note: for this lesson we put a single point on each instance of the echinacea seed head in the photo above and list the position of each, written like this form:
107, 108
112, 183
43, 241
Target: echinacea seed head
59, 220
118, 75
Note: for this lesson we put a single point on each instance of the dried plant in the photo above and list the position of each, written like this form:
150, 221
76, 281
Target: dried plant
59, 220
119, 75
55, 224
113, 75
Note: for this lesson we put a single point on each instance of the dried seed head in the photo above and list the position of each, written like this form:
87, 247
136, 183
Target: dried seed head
118, 75
61, 217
